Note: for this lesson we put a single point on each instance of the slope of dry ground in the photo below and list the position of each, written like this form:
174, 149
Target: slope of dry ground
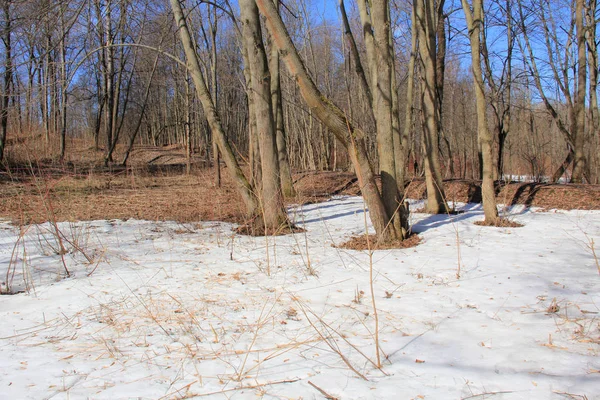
155, 187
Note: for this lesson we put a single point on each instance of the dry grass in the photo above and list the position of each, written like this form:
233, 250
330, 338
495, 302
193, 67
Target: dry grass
370, 243
163, 196
501, 223
155, 187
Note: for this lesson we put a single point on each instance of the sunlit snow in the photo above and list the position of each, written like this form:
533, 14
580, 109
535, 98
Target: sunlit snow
166, 310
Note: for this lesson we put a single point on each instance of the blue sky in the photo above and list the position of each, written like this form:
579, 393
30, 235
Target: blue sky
328, 8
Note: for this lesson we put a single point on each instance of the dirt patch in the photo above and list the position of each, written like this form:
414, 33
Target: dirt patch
501, 223
369, 242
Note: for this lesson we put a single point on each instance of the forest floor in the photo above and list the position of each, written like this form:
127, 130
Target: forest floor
155, 187
132, 283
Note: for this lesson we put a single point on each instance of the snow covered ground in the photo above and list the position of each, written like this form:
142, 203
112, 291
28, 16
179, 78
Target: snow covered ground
165, 310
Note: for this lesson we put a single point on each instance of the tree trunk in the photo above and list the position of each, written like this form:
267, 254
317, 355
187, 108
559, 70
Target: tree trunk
253, 150
64, 84
579, 132
210, 111
109, 87
425, 14
273, 210
382, 103
408, 112
475, 24
214, 24
335, 120
7, 77
287, 185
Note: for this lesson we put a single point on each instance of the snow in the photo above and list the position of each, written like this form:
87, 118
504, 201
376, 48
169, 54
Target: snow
166, 310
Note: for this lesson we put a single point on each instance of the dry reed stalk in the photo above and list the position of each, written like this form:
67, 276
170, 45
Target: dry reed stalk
244, 387
372, 287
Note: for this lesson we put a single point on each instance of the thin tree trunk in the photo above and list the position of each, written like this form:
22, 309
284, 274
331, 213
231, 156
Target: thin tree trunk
579, 133
142, 112
408, 112
287, 185
506, 116
7, 76
64, 84
215, 88
358, 69
426, 30
475, 24
109, 87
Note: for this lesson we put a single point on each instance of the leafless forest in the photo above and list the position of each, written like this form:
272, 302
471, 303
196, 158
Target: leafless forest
384, 88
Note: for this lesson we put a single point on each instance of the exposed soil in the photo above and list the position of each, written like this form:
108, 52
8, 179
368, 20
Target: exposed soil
370, 242
155, 187
501, 223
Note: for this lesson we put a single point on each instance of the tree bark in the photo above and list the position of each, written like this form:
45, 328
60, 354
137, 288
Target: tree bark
287, 185
210, 111
475, 25
579, 133
7, 76
382, 103
425, 13
273, 210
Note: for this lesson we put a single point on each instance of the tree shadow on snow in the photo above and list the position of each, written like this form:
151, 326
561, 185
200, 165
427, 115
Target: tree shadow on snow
330, 217
436, 220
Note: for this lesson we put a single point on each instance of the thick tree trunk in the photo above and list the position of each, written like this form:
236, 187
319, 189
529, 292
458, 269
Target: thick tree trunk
273, 210
253, 148
563, 166
382, 103
210, 111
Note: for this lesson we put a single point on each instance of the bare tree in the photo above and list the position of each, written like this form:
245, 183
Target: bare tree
274, 215
475, 17
285, 170
8, 70
337, 122
560, 65
193, 65
427, 14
